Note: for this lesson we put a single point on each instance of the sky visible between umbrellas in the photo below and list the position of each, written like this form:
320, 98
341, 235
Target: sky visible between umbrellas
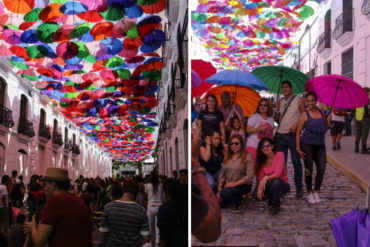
245, 34
97, 59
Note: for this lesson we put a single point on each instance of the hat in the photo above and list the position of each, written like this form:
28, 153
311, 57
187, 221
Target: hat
56, 174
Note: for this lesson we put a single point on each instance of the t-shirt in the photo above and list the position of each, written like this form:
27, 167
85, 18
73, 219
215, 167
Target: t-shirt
84, 185
257, 121
291, 115
125, 222
3, 192
277, 167
71, 220
154, 199
210, 122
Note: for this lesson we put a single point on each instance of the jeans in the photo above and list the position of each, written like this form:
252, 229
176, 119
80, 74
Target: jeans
285, 143
274, 190
234, 194
317, 154
362, 131
212, 179
152, 212
348, 126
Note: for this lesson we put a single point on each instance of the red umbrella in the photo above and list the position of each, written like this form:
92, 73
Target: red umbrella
91, 16
204, 70
153, 8
102, 30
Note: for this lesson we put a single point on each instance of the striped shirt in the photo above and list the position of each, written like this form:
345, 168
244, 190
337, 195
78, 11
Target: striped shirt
125, 222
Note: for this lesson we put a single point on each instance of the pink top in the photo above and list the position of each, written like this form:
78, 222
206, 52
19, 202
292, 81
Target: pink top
277, 167
240, 132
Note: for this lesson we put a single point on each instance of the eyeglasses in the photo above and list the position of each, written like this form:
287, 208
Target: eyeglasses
234, 143
263, 105
266, 146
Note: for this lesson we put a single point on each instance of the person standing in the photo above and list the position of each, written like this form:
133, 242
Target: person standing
65, 219
4, 206
289, 108
362, 126
336, 127
124, 221
227, 107
348, 125
311, 145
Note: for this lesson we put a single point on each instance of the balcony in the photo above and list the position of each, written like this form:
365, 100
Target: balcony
75, 149
6, 120
67, 145
344, 26
324, 46
44, 133
57, 140
25, 128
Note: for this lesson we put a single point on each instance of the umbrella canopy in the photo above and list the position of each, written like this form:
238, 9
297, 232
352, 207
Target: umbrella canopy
272, 76
204, 70
237, 77
195, 79
338, 91
246, 97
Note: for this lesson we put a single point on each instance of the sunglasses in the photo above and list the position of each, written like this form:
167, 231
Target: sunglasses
234, 143
266, 146
263, 105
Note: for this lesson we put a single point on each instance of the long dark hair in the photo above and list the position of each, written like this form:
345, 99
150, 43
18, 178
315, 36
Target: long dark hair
243, 152
154, 180
213, 97
261, 157
219, 149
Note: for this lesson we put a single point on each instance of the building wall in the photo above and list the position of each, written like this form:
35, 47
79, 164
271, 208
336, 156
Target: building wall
359, 39
172, 148
37, 156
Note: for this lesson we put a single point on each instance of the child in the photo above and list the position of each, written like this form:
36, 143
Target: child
236, 125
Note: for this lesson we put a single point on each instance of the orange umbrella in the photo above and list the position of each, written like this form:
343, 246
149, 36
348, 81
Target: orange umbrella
246, 97
19, 6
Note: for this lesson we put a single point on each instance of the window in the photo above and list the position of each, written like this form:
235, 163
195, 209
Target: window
24, 103
42, 116
327, 68
66, 133
2, 91
347, 63
74, 139
185, 138
55, 126
177, 159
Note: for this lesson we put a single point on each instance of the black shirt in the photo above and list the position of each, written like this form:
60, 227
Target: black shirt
210, 122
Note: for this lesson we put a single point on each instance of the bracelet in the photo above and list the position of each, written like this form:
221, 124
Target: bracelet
198, 169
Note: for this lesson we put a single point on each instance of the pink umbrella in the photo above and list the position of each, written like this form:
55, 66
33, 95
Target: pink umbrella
12, 37
338, 91
195, 79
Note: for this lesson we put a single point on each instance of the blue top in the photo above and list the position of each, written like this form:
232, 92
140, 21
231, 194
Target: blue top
314, 130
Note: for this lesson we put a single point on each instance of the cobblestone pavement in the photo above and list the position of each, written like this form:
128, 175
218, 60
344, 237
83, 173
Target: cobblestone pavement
298, 223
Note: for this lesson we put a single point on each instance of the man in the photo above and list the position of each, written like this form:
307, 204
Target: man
65, 219
184, 176
4, 206
289, 109
362, 126
125, 221
226, 106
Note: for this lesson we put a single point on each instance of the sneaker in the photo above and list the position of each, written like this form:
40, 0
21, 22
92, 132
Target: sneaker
236, 209
299, 192
316, 197
311, 198
274, 210
338, 146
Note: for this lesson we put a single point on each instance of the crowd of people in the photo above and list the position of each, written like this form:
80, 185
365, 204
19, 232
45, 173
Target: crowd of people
235, 151
136, 210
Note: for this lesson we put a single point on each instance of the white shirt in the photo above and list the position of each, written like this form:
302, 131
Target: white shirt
84, 185
257, 121
154, 199
3, 192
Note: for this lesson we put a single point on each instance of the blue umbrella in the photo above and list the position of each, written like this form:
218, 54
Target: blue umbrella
29, 36
73, 8
114, 46
155, 38
237, 77
134, 11
121, 4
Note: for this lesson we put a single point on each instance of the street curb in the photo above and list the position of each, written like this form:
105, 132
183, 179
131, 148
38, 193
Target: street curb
361, 183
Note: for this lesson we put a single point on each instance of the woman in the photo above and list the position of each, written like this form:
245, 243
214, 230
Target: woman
260, 124
211, 119
211, 158
236, 174
273, 178
155, 194
311, 145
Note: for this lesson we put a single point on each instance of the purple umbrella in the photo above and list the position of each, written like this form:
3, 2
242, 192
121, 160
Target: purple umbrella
338, 91
195, 79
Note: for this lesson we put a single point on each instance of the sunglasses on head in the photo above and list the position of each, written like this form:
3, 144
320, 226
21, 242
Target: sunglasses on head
234, 143
266, 146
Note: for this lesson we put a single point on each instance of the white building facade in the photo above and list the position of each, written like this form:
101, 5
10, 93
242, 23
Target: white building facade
172, 144
336, 42
34, 135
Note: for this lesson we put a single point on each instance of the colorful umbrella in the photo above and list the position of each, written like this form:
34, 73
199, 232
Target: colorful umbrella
246, 97
272, 76
338, 91
195, 79
204, 70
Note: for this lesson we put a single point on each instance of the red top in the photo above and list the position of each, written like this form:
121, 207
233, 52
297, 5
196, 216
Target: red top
71, 220
277, 167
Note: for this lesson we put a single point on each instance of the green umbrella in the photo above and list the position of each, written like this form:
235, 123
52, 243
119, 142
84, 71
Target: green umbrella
33, 15
132, 33
83, 51
113, 14
37, 51
272, 76
123, 73
113, 62
45, 31
18, 65
80, 30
